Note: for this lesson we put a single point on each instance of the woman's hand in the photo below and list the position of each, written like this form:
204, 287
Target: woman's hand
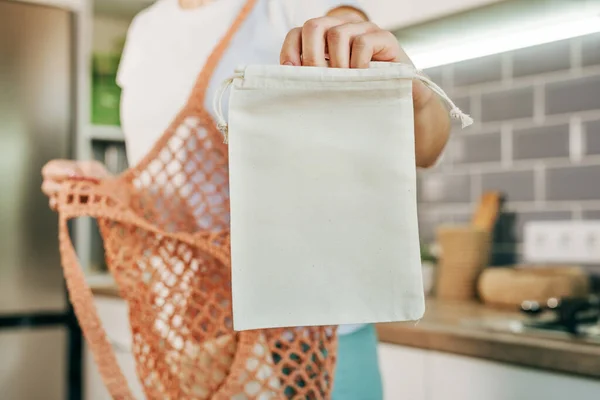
55, 172
344, 39
340, 40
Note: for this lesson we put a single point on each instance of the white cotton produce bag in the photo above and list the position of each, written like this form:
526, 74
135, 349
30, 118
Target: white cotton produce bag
323, 195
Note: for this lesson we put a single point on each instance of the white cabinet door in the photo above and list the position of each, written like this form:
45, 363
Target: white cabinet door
114, 314
453, 377
416, 374
403, 372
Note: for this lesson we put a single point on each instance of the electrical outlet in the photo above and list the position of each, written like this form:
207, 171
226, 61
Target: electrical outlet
562, 242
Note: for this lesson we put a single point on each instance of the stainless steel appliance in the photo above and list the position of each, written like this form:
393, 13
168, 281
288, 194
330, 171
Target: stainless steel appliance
560, 319
40, 344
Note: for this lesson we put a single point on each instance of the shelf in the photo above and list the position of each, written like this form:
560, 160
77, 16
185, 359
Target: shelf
99, 279
107, 133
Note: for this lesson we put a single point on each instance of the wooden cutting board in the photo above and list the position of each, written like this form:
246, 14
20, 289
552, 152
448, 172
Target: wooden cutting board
509, 287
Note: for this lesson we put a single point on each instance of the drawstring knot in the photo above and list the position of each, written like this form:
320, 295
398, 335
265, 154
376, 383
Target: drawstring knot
465, 119
455, 112
224, 129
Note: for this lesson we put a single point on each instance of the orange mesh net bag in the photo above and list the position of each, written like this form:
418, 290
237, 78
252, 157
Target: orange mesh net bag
165, 229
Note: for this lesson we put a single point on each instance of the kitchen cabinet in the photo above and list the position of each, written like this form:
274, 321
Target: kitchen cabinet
408, 373
403, 372
33, 363
427, 375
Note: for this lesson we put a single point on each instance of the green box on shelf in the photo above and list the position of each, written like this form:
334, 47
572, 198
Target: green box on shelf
106, 94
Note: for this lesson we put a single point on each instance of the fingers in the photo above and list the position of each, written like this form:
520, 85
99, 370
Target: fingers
314, 33
91, 169
59, 169
376, 46
50, 187
53, 203
56, 172
292, 48
348, 44
340, 39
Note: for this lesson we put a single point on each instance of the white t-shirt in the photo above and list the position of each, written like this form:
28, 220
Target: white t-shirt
167, 47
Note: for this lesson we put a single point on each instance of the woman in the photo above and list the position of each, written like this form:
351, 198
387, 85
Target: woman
171, 41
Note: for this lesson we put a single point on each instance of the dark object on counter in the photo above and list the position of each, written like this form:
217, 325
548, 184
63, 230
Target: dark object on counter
504, 240
569, 313
491, 216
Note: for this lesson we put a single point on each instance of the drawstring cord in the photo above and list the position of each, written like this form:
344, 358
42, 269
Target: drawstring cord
455, 112
218, 105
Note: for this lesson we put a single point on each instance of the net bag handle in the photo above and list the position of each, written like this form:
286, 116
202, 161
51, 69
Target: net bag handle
80, 293
75, 200
71, 205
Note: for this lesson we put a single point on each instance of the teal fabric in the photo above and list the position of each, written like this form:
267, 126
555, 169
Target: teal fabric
357, 375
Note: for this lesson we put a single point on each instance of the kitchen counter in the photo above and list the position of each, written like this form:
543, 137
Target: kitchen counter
103, 285
456, 327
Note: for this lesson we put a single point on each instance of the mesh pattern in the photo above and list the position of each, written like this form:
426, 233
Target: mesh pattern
165, 230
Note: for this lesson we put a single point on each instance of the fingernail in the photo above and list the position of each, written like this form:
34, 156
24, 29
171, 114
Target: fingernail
289, 63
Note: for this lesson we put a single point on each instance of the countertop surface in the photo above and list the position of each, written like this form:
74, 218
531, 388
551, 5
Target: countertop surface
460, 328
466, 329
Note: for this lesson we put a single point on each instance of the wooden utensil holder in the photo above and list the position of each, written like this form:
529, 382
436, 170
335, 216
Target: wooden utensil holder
465, 251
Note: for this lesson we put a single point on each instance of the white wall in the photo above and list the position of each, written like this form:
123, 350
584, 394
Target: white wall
107, 31
398, 13
387, 13
75, 5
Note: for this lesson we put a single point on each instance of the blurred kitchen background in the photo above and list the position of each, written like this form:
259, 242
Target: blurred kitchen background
509, 218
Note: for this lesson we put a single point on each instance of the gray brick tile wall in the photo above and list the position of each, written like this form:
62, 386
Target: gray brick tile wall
573, 183
590, 50
485, 69
521, 142
507, 104
591, 214
445, 188
477, 148
516, 185
464, 103
428, 223
436, 75
572, 95
591, 130
541, 142
541, 59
